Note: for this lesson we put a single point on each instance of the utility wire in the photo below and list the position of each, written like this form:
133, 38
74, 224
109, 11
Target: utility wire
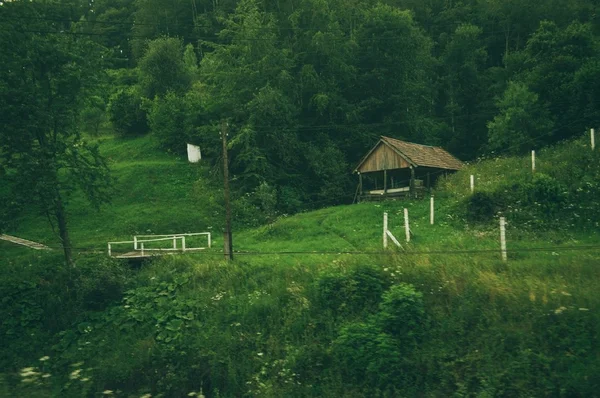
396, 252
194, 25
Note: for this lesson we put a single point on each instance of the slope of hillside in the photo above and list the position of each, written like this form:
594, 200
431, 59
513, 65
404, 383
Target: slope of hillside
159, 193
312, 306
154, 193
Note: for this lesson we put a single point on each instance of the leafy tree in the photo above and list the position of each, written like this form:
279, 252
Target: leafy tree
126, 113
393, 89
190, 61
42, 153
462, 91
109, 23
93, 115
173, 119
523, 121
247, 82
162, 68
560, 65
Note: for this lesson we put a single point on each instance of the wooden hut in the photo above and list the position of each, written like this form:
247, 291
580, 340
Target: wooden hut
398, 168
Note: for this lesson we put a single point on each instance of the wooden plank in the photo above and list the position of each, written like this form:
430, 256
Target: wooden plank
406, 225
412, 179
503, 238
385, 230
24, 242
383, 157
360, 183
384, 181
393, 238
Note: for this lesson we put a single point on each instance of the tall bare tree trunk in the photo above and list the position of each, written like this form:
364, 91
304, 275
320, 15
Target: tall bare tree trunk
63, 231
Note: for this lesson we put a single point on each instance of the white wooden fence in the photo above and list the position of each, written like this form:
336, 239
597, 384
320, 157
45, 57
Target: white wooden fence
141, 244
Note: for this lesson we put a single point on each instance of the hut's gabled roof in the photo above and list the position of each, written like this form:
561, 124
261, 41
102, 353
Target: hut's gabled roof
418, 155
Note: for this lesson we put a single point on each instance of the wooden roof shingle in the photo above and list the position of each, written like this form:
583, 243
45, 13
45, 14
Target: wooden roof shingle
420, 155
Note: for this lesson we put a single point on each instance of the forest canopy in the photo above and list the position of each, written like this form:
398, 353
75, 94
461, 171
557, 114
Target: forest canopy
307, 87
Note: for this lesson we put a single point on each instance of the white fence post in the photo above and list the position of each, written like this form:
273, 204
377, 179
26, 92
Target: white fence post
135, 243
431, 209
503, 237
406, 226
472, 183
142, 248
533, 161
593, 138
174, 243
209, 240
385, 228
183, 243
109, 251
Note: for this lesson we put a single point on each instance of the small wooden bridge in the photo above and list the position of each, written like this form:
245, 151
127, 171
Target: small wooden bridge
24, 242
145, 246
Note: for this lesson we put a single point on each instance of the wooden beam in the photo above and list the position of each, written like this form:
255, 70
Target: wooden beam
384, 182
412, 181
360, 184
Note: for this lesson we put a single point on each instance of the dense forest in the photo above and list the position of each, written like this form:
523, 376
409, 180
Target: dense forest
306, 87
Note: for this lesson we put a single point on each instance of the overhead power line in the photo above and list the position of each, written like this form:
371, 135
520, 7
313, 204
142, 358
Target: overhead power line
94, 250
194, 25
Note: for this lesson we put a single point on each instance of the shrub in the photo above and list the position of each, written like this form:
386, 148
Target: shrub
482, 206
355, 292
93, 115
126, 113
546, 193
257, 207
401, 312
366, 355
100, 282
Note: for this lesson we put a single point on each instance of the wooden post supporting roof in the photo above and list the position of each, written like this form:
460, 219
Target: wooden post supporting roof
428, 183
384, 181
360, 184
412, 181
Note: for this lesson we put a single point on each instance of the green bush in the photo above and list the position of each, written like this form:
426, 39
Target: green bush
126, 113
367, 356
257, 207
354, 292
401, 313
482, 207
100, 282
546, 193
93, 115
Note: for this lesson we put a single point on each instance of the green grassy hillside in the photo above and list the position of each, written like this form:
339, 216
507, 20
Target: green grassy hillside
312, 306
155, 193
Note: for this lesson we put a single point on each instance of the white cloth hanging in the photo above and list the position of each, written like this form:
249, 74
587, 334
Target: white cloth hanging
194, 154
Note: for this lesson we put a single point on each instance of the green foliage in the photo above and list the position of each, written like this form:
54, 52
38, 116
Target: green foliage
523, 120
42, 151
93, 115
401, 312
307, 88
169, 121
39, 301
377, 354
126, 112
162, 68
353, 292
483, 207
546, 193
256, 208
369, 357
